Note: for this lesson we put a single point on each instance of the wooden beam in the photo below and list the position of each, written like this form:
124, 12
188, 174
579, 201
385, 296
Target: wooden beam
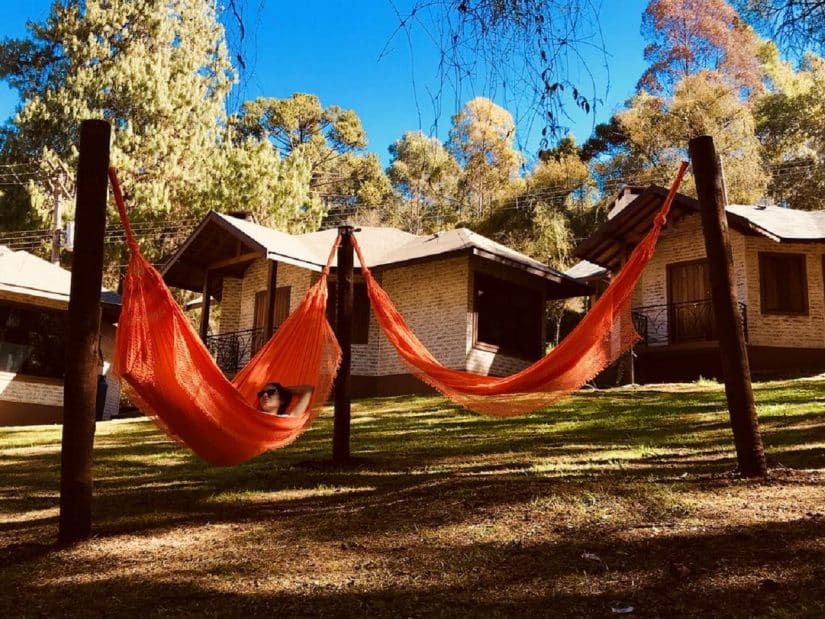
83, 341
206, 304
341, 422
228, 262
270, 299
734, 355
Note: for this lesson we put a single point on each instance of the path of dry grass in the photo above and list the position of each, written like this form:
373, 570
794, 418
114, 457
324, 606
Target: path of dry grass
609, 501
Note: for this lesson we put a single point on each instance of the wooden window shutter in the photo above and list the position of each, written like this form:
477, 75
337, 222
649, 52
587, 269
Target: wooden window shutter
282, 299
360, 315
259, 320
783, 283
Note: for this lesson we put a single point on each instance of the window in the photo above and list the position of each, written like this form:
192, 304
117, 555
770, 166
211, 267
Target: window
32, 341
508, 317
783, 283
360, 310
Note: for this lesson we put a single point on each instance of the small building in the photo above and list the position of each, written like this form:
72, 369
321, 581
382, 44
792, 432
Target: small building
476, 304
778, 259
34, 303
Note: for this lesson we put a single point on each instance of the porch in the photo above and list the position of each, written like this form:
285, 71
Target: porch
687, 324
234, 349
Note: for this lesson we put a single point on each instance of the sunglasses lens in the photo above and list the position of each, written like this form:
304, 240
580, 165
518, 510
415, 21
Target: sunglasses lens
267, 392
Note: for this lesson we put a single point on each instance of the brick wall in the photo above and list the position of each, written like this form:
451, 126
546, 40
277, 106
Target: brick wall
230, 305
255, 279
298, 279
433, 300
107, 346
683, 240
779, 330
38, 391
30, 389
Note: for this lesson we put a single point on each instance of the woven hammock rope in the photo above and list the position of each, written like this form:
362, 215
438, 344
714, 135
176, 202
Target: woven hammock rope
172, 378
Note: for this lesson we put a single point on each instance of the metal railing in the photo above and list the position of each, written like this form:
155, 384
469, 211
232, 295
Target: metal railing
675, 323
233, 350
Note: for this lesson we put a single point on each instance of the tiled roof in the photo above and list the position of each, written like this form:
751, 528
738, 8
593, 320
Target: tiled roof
381, 246
24, 274
585, 270
783, 223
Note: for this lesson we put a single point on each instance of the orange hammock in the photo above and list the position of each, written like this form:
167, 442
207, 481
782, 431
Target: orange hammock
604, 334
174, 380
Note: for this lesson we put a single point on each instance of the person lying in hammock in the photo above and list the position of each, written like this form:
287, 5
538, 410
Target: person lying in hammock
275, 399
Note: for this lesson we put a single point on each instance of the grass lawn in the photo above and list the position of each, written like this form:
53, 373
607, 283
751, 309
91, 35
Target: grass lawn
610, 500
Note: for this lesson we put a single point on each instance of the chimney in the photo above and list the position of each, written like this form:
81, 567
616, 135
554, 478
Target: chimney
626, 195
245, 215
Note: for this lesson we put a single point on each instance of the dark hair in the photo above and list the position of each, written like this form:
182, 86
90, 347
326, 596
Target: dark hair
284, 395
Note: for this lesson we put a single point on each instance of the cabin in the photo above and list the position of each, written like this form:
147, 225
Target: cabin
476, 304
34, 303
778, 259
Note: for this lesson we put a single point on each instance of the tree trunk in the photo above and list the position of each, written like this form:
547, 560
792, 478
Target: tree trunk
733, 351
82, 358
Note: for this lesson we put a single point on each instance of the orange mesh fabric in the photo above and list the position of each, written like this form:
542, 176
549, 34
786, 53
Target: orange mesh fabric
173, 379
604, 334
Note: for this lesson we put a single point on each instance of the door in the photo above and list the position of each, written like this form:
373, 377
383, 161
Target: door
690, 311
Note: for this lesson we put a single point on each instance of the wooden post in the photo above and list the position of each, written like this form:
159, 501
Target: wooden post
80, 390
341, 424
206, 304
272, 287
734, 355
56, 233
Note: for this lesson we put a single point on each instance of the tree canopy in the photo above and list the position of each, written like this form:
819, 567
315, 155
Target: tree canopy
159, 71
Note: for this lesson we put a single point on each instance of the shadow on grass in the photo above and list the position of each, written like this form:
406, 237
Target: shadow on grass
738, 573
637, 450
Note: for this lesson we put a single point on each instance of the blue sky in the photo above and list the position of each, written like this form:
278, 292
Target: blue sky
334, 49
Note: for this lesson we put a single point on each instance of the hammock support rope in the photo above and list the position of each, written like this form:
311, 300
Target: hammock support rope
171, 376
603, 335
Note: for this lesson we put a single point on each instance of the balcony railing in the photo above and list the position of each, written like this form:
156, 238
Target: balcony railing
676, 323
233, 350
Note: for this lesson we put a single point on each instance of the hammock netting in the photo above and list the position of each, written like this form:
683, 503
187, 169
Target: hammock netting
171, 376
603, 335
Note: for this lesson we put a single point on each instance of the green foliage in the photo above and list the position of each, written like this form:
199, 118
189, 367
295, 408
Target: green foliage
791, 126
329, 139
482, 140
159, 71
426, 175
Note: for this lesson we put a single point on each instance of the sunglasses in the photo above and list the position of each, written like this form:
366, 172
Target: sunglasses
267, 392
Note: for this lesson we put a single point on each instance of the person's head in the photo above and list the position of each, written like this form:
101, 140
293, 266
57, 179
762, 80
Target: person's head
274, 398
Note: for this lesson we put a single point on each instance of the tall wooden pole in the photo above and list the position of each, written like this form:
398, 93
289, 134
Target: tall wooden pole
80, 390
271, 288
56, 240
341, 424
734, 355
206, 304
